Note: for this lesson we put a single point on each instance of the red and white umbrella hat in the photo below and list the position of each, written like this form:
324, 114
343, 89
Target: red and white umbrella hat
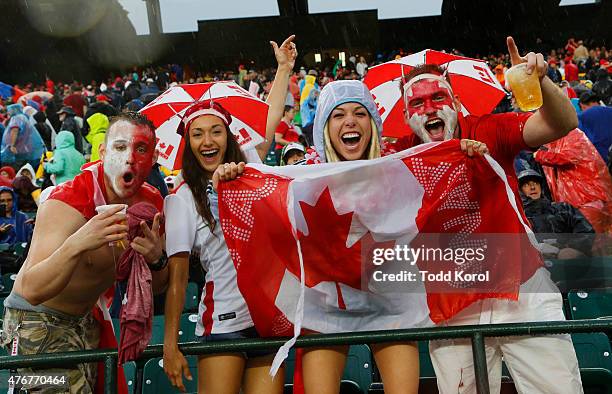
471, 79
248, 116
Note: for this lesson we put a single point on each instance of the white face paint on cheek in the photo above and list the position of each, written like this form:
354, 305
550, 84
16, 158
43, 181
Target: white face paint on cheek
115, 161
417, 124
449, 116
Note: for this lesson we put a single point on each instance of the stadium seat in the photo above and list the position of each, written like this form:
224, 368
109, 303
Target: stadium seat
8, 280
358, 371
157, 337
30, 215
130, 372
155, 381
590, 304
357, 377
4, 379
191, 298
187, 327
595, 361
20, 248
425, 365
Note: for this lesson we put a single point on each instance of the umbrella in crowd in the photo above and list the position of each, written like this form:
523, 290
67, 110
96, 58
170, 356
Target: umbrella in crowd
249, 116
6, 90
472, 80
30, 96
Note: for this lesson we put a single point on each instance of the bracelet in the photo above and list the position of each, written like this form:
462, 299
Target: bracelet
161, 263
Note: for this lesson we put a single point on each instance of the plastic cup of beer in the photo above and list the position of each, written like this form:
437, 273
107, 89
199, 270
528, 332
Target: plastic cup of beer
104, 208
526, 88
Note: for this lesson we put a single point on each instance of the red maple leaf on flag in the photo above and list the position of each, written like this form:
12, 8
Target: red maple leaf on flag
327, 259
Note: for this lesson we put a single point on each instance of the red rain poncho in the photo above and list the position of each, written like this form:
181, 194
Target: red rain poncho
577, 175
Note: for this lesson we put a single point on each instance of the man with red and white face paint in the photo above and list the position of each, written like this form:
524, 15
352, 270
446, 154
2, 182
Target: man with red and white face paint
543, 364
74, 252
430, 107
128, 155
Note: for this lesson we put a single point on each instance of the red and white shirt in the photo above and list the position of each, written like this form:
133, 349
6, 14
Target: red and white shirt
222, 308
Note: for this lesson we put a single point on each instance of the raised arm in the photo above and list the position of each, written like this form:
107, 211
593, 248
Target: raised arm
60, 237
557, 116
285, 56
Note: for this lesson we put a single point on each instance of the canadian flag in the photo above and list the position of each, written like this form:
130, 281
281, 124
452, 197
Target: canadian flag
303, 238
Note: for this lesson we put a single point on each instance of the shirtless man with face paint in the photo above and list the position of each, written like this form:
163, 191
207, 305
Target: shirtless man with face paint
539, 364
71, 262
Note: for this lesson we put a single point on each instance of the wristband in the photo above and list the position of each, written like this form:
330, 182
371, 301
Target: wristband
161, 263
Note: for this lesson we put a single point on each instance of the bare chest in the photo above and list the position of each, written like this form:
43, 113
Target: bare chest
100, 263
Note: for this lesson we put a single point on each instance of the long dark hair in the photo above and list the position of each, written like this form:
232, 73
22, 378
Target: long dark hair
197, 178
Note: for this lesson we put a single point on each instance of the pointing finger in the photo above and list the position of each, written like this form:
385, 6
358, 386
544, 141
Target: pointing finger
515, 57
288, 40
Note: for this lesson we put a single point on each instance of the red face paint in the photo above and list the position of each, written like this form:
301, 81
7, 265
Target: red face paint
430, 109
129, 157
427, 97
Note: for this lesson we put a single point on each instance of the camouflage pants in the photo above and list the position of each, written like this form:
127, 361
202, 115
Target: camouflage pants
38, 332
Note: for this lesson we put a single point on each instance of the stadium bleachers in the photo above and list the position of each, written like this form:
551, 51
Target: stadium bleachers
592, 304
130, 370
595, 361
8, 280
154, 380
191, 298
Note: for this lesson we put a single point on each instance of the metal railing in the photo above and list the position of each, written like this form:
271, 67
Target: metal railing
477, 333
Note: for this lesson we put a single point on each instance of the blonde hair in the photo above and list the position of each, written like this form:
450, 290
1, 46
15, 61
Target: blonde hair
374, 147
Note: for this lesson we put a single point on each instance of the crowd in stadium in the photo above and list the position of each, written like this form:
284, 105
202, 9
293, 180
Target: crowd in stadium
69, 144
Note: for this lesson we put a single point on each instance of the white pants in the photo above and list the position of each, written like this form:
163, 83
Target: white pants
538, 364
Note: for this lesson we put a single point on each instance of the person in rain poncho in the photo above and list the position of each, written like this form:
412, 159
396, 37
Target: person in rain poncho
577, 175
14, 226
67, 161
8, 172
554, 221
309, 82
307, 113
21, 142
98, 124
24, 185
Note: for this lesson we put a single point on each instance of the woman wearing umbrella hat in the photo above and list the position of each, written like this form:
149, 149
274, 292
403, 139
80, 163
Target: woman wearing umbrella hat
192, 222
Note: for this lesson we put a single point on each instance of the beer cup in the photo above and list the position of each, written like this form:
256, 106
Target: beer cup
526, 88
104, 208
